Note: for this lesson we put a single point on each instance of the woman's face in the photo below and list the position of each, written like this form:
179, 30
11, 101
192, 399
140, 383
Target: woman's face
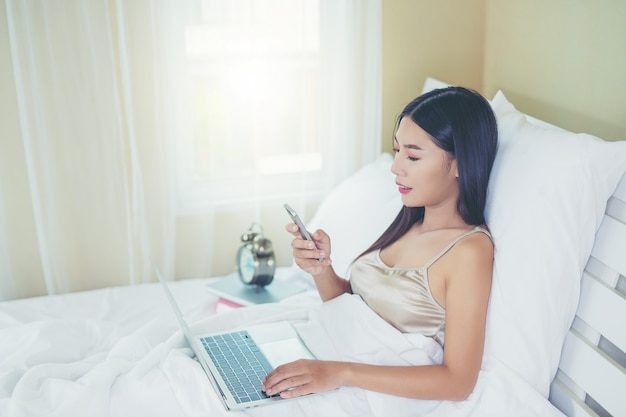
426, 176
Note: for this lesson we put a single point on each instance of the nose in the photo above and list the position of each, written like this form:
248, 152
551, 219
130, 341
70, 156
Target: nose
396, 166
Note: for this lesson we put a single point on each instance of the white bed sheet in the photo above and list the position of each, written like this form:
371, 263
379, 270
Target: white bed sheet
120, 352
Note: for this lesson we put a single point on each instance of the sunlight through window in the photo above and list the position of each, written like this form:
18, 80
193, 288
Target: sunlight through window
253, 71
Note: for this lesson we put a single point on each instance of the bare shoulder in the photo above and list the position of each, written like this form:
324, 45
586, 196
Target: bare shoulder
476, 243
473, 252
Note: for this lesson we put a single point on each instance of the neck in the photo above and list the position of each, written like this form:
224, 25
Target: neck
442, 218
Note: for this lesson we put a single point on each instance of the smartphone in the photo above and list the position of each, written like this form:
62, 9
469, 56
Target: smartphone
296, 219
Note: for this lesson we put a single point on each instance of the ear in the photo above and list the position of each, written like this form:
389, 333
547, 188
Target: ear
455, 168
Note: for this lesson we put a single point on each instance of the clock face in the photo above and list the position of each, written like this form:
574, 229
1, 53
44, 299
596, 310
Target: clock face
246, 264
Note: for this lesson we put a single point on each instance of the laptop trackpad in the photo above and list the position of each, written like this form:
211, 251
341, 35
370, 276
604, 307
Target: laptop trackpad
279, 342
285, 351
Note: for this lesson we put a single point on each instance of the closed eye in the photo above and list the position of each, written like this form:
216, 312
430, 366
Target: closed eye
409, 157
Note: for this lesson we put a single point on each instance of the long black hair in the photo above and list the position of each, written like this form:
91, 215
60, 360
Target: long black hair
461, 122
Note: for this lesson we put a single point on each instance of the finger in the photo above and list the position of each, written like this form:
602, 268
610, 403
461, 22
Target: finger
297, 392
293, 229
308, 254
280, 374
319, 234
289, 385
306, 250
321, 237
299, 243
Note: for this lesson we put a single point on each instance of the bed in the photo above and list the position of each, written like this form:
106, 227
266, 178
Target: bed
555, 332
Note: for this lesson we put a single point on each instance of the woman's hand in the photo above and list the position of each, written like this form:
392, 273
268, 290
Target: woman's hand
307, 254
304, 377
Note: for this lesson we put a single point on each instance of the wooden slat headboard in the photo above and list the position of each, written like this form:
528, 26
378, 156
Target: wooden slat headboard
591, 380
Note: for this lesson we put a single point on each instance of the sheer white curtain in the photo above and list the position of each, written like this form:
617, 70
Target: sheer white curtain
95, 158
106, 132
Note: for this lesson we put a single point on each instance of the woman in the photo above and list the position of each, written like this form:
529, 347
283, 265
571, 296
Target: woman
430, 272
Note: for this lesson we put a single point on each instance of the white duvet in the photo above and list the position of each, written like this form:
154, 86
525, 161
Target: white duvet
119, 352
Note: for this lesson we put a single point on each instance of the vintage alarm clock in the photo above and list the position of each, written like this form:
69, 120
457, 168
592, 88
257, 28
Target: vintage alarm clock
255, 259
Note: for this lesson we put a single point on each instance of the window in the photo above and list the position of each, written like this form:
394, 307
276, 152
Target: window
253, 71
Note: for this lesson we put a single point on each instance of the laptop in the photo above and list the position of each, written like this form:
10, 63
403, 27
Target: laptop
236, 361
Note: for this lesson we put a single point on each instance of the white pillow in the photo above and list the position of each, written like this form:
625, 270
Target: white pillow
547, 195
357, 211
431, 83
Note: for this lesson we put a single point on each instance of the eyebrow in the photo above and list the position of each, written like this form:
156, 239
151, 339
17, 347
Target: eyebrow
408, 146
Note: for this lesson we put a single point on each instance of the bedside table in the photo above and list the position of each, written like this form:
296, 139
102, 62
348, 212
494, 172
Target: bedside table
233, 293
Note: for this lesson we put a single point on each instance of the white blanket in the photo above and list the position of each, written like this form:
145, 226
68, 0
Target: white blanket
119, 352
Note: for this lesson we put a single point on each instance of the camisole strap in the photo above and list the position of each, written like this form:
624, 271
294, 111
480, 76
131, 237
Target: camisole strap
451, 244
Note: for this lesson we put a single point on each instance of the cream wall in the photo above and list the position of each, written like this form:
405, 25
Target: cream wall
421, 38
561, 60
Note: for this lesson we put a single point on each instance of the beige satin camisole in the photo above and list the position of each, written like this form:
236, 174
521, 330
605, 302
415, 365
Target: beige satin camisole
402, 296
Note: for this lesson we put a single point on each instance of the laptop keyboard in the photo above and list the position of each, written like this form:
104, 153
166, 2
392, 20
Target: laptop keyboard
240, 363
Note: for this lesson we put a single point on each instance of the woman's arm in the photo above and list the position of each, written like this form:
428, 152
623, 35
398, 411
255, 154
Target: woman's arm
468, 283
307, 255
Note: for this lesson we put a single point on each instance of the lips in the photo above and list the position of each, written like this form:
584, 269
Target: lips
403, 189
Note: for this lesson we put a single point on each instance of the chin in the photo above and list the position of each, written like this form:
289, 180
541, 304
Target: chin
411, 203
